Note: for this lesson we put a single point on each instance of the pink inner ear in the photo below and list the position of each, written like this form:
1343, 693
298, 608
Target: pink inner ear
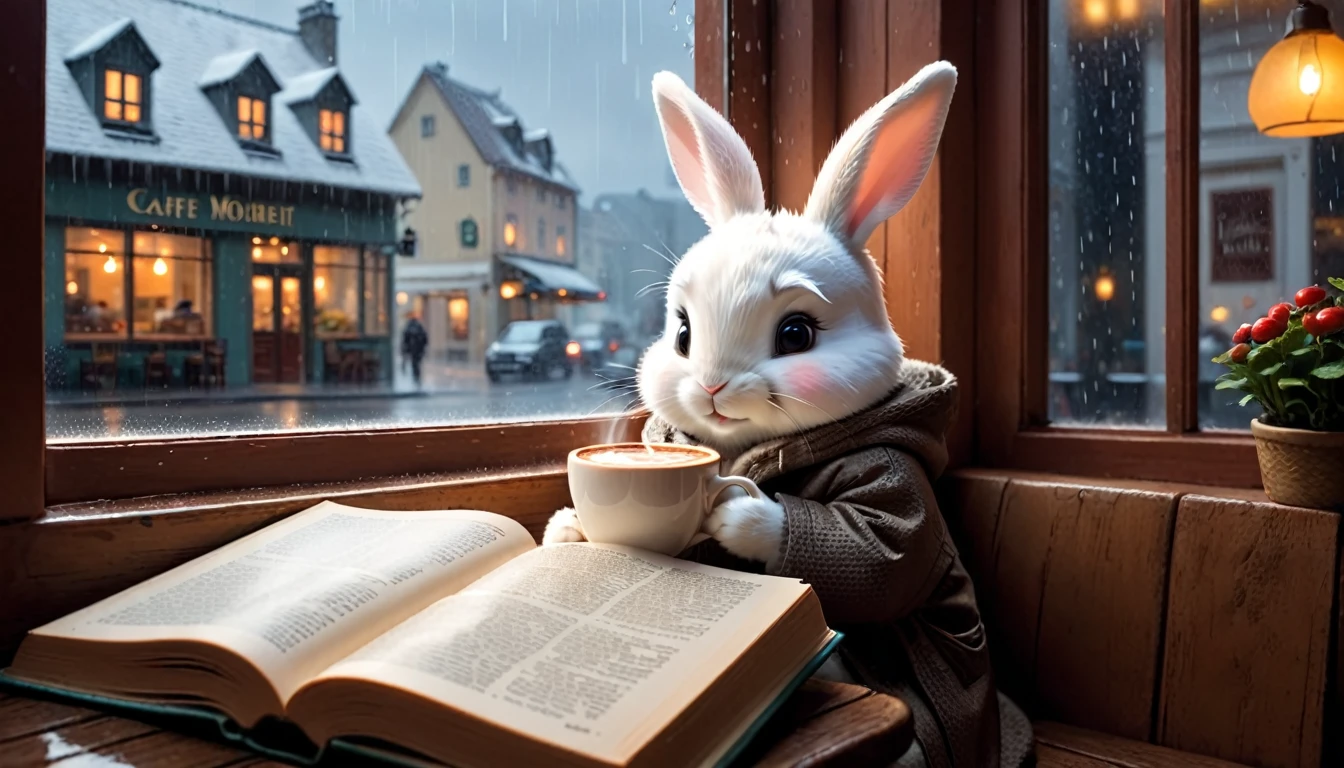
683, 148
898, 160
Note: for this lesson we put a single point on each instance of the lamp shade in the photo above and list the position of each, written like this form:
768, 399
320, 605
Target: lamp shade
1298, 87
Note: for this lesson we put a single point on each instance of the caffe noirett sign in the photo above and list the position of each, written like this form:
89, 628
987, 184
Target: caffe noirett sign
220, 208
318, 219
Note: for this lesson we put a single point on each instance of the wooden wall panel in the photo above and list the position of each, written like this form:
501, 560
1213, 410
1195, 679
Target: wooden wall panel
803, 94
22, 384
1248, 628
1079, 581
862, 79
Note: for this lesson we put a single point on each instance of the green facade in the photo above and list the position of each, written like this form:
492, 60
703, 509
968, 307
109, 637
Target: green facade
228, 222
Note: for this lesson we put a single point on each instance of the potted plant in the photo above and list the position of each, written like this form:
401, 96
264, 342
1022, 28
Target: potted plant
1292, 362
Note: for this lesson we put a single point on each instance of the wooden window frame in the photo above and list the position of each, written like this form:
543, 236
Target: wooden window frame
1012, 428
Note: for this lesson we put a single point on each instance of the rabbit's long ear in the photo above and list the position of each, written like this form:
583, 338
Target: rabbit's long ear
712, 163
880, 161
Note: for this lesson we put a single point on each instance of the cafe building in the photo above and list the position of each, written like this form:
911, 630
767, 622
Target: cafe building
220, 211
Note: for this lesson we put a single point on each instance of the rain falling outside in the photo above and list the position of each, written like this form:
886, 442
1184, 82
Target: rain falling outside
308, 215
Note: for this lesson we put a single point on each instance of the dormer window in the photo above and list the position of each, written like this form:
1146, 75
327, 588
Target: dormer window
112, 68
122, 97
322, 101
240, 86
252, 119
331, 131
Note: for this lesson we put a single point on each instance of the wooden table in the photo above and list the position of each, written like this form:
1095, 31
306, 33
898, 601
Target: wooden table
824, 724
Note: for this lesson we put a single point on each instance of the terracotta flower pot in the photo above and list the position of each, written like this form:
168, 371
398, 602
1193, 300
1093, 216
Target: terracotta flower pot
1301, 468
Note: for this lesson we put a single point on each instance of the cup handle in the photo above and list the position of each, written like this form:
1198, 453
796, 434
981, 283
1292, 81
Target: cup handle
718, 485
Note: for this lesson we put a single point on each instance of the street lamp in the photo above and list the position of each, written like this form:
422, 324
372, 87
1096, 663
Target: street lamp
1298, 87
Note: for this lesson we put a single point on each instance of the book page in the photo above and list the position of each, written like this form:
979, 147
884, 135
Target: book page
589, 646
296, 596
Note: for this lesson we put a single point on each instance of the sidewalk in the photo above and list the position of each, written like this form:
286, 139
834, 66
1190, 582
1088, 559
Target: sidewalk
436, 379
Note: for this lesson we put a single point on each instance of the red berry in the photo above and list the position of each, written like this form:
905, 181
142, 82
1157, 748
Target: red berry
1279, 312
1311, 324
1309, 295
1243, 334
1239, 353
1267, 329
1330, 320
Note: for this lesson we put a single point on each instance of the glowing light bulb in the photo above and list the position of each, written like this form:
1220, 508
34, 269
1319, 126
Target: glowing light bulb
320, 283
1219, 314
284, 250
110, 265
402, 298
256, 241
256, 254
72, 287
1127, 9
275, 241
1105, 287
1310, 80
160, 267
1095, 11
508, 291
102, 247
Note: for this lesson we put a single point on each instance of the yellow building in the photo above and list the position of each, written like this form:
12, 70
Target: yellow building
496, 227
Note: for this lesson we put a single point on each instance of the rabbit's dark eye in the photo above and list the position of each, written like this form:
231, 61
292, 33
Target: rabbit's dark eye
684, 335
797, 333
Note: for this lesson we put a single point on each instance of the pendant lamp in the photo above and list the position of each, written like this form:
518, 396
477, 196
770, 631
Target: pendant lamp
1298, 87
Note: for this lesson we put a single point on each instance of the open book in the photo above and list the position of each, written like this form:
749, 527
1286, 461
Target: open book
450, 635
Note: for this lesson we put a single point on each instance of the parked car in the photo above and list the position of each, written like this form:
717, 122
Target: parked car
534, 349
598, 341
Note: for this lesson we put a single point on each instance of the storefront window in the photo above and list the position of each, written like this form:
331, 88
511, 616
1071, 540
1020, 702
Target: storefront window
171, 286
336, 291
95, 282
375, 294
459, 317
273, 250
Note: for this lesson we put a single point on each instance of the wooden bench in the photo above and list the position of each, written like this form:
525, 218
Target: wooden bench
1141, 625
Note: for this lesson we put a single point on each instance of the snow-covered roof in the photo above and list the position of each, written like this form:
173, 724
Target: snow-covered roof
222, 69
98, 39
191, 42
485, 116
306, 87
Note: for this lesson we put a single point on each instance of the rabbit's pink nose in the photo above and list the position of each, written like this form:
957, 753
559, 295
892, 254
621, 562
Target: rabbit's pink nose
714, 390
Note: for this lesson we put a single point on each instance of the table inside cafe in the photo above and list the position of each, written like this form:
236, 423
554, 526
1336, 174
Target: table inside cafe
822, 724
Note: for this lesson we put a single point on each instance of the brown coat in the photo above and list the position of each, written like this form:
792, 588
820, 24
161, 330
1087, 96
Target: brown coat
864, 530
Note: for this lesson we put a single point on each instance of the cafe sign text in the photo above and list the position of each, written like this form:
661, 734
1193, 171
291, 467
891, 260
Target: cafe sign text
220, 208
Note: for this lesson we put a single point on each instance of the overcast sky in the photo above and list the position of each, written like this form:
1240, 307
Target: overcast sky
580, 68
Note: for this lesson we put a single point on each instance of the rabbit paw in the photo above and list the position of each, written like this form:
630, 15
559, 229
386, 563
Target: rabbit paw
749, 528
563, 527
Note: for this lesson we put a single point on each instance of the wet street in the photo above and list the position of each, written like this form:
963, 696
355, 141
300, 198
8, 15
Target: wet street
448, 396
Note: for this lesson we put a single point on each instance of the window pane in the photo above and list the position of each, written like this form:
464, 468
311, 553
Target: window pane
1269, 208
288, 264
375, 295
275, 251
95, 294
1106, 214
263, 303
172, 297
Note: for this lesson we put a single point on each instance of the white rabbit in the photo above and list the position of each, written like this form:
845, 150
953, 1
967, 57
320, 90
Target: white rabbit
777, 322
